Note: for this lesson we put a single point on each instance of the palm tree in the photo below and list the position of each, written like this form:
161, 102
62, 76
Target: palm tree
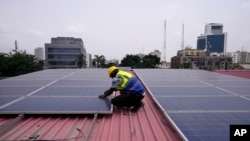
99, 61
81, 60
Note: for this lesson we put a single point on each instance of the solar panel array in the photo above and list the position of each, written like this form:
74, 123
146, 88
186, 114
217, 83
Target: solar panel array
201, 104
58, 91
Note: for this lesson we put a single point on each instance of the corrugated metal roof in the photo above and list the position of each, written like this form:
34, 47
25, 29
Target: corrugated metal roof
147, 124
238, 73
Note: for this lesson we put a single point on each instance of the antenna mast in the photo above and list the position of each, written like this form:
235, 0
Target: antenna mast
164, 41
182, 40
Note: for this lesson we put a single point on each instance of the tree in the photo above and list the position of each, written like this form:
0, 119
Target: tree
133, 61
81, 61
150, 61
99, 61
18, 62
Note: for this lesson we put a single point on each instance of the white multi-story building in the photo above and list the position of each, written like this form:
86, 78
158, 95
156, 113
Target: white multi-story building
63, 52
39, 53
156, 53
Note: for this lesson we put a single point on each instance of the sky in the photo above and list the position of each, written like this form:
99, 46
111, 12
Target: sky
115, 28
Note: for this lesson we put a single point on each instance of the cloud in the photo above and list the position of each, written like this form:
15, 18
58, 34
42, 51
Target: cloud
246, 5
172, 10
36, 32
76, 28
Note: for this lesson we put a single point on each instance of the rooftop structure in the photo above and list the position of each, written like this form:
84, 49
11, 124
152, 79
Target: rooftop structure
179, 105
214, 40
39, 53
63, 52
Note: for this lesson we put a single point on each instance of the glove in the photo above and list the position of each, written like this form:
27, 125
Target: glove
102, 96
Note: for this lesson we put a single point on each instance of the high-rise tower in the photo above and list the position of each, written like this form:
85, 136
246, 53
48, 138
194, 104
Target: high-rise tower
214, 40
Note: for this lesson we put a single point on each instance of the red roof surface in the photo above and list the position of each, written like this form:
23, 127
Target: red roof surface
148, 124
238, 73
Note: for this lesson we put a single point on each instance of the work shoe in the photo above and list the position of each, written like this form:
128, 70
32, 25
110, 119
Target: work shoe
136, 108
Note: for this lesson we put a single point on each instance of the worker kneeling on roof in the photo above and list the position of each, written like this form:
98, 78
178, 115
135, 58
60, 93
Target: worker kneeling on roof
130, 87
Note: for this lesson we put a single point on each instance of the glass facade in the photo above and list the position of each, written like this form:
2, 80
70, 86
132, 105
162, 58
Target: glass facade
63, 52
201, 43
215, 43
214, 39
61, 56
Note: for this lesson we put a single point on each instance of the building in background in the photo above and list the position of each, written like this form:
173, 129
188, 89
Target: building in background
88, 60
156, 53
39, 53
214, 39
63, 52
199, 59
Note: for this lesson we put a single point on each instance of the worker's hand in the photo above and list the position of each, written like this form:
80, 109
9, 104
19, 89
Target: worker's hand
102, 96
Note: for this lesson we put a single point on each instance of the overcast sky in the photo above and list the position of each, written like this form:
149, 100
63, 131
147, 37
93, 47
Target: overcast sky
114, 28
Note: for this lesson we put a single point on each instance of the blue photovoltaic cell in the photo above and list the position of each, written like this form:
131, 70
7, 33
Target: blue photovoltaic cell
26, 83
203, 109
208, 126
187, 91
174, 84
234, 83
59, 91
59, 105
71, 91
4, 100
83, 83
10, 91
204, 103
239, 90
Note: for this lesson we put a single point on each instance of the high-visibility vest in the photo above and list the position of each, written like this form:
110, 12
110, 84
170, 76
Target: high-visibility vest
130, 83
125, 78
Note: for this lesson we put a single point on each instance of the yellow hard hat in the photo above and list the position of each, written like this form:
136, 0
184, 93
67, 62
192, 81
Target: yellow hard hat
111, 69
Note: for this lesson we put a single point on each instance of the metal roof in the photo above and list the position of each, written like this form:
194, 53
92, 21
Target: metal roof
151, 123
237, 73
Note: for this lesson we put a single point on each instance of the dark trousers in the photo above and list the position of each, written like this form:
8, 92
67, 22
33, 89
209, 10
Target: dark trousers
127, 100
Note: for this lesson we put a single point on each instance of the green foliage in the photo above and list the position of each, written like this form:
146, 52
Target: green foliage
134, 61
99, 61
150, 61
81, 61
18, 63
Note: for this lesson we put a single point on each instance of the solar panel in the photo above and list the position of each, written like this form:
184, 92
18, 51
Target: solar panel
24, 83
21, 91
202, 104
4, 99
175, 83
58, 105
208, 126
187, 91
238, 90
83, 83
71, 91
60, 91
215, 103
